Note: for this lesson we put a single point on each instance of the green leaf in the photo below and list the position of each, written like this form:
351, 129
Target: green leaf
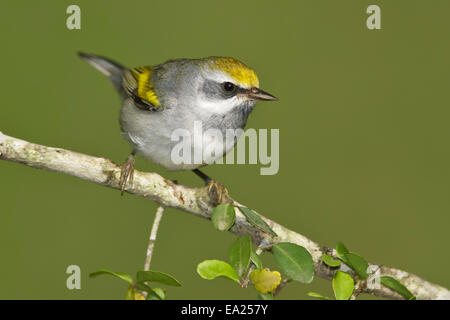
255, 258
329, 261
120, 275
255, 220
395, 285
211, 269
156, 276
295, 261
223, 217
240, 255
357, 263
267, 296
341, 250
151, 293
343, 285
161, 293
318, 295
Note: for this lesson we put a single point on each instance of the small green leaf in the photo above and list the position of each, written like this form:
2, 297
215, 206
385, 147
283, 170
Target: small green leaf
223, 217
318, 295
343, 285
341, 250
161, 293
156, 276
240, 255
329, 261
267, 296
357, 263
255, 258
120, 275
255, 220
295, 261
150, 292
211, 269
395, 285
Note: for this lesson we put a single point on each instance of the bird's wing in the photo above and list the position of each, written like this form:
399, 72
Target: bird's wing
137, 84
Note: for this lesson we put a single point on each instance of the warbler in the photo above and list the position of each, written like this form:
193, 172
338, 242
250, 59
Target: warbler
218, 92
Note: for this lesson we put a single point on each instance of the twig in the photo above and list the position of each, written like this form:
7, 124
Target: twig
153, 234
197, 201
358, 289
258, 251
283, 284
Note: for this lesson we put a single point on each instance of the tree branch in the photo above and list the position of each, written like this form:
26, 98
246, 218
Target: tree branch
197, 201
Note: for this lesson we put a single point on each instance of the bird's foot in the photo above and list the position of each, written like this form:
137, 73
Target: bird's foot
218, 193
126, 173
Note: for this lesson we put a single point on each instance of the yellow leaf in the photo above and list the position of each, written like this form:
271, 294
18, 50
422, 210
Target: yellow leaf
138, 296
130, 293
265, 280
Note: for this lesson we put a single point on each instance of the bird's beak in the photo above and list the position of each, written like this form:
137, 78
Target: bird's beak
258, 94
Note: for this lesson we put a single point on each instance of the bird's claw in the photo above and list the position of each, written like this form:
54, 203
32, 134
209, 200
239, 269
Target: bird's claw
218, 193
126, 173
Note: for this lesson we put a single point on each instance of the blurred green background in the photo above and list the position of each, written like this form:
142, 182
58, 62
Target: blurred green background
363, 118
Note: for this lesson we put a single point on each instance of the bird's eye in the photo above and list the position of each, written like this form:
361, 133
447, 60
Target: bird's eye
228, 86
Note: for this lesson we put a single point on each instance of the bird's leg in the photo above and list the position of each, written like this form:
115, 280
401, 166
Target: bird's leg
203, 176
218, 193
127, 172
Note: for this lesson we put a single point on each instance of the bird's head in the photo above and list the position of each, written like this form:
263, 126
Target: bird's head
227, 83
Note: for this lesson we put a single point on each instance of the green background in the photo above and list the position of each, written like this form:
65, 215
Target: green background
363, 118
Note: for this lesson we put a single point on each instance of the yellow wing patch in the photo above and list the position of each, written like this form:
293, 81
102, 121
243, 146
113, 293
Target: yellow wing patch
237, 70
143, 85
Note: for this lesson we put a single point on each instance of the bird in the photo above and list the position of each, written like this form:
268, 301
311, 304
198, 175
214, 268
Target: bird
218, 92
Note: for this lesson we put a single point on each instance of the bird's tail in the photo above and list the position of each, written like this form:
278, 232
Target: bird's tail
109, 68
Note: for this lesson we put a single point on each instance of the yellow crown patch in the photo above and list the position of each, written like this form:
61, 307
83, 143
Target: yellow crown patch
235, 69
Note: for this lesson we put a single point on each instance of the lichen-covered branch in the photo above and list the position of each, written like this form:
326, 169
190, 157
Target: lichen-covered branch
197, 201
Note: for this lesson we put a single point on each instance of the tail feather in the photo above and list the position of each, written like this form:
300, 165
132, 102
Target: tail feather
109, 68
